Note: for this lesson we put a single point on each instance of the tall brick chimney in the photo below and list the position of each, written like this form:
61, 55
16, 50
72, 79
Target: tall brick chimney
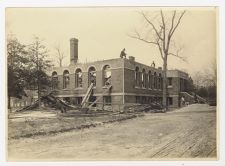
73, 50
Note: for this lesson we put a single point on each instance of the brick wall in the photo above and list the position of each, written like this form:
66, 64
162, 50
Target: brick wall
175, 87
129, 78
175, 101
116, 66
122, 76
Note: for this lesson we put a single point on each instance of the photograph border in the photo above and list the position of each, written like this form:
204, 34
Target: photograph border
220, 61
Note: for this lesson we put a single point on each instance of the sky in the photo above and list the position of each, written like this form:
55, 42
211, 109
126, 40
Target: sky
104, 32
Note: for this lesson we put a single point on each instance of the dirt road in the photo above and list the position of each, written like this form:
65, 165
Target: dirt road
189, 132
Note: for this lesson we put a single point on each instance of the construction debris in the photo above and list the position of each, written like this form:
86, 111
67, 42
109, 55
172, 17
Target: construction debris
52, 102
153, 107
87, 96
85, 102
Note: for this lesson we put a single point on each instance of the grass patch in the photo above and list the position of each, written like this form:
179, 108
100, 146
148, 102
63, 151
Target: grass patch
31, 126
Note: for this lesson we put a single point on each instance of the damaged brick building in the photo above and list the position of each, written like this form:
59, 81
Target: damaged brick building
115, 81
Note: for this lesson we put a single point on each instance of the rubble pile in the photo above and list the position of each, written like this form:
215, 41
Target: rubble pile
52, 102
153, 107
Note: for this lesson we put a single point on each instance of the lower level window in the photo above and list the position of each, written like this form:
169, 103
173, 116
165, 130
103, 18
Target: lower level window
138, 99
169, 101
144, 101
78, 100
66, 99
107, 100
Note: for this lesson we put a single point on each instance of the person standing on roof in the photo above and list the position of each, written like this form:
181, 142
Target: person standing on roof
153, 64
122, 53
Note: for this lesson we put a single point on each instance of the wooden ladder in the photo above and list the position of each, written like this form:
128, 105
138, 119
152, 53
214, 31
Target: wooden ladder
104, 92
87, 95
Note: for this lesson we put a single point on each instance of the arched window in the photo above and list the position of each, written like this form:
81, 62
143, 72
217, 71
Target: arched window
143, 78
160, 81
92, 76
136, 76
66, 79
54, 80
146, 80
149, 79
155, 81
106, 75
78, 78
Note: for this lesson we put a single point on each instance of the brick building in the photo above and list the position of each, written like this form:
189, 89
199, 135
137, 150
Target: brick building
115, 81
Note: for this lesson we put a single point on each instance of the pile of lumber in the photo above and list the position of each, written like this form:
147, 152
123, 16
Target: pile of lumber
52, 102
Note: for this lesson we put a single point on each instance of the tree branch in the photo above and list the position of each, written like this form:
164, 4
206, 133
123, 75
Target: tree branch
178, 22
160, 50
174, 15
164, 30
138, 36
60, 55
153, 26
178, 56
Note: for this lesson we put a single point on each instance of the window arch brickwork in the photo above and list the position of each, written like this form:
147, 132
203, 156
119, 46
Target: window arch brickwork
106, 75
137, 77
66, 79
92, 76
155, 81
54, 80
78, 78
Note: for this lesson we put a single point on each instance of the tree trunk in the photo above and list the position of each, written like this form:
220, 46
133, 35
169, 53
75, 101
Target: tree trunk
165, 84
39, 95
38, 81
60, 63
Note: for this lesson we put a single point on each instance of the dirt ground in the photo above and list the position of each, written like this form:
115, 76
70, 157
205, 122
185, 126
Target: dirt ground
189, 132
44, 122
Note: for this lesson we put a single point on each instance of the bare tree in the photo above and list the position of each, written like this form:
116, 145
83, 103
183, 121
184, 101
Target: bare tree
212, 73
163, 32
199, 79
208, 77
60, 55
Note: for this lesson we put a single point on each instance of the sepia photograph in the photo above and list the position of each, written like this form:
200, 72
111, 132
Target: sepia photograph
111, 83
